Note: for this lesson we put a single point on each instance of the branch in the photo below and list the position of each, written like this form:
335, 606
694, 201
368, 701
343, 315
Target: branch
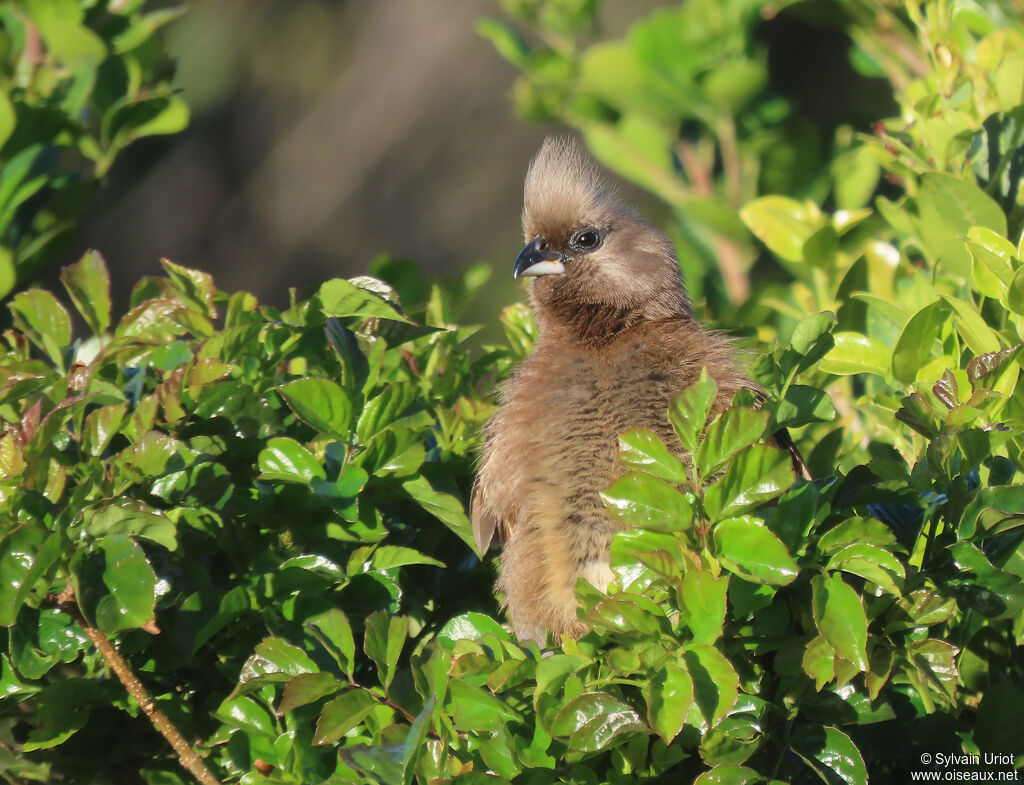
187, 757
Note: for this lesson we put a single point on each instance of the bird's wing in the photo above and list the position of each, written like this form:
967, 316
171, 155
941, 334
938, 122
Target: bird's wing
485, 525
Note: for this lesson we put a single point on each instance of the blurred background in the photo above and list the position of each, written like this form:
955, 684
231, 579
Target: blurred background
325, 133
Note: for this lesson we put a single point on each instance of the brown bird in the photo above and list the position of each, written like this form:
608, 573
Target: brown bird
617, 342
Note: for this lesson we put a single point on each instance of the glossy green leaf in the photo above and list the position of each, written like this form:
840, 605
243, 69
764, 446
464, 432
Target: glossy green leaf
285, 459
320, 403
645, 501
839, 617
443, 506
275, 660
783, 224
830, 753
341, 715
915, 343
385, 638
642, 450
702, 604
44, 320
749, 548
668, 694
729, 774
88, 284
114, 584
733, 740
25, 554
688, 411
339, 297
307, 688
475, 709
132, 518
755, 476
100, 427
871, 563
737, 429
332, 630
855, 353
852, 531
715, 683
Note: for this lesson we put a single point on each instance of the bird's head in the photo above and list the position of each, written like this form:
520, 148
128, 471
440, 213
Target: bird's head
584, 249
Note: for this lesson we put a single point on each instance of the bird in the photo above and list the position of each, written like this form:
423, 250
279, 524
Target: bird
617, 340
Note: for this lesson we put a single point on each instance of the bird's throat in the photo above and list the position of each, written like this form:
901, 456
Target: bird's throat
593, 324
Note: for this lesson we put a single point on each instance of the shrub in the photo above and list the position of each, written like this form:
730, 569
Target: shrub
264, 508
79, 81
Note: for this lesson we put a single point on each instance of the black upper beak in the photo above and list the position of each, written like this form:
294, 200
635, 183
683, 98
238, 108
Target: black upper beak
537, 258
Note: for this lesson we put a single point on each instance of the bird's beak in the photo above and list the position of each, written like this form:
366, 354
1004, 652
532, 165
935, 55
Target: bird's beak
537, 259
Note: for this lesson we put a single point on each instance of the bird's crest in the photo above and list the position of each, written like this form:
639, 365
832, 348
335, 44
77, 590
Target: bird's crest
562, 186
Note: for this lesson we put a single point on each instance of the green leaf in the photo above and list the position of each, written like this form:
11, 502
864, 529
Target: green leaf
856, 353
132, 518
915, 344
114, 584
783, 224
129, 120
470, 626
334, 633
195, 286
385, 637
871, 563
755, 476
88, 284
715, 683
307, 688
831, 754
443, 506
594, 720
988, 507
389, 556
936, 661
321, 404
669, 694
339, 297
839, 617
44, 321
475, 709
749, 548
801, 405
342, 714
8, 118
274, 660
729, 774
949, 207
645, 501
688, 411
286, 460
733, 740
25, 554
737, 429
702, 603
641, 449
100, 427
858, 530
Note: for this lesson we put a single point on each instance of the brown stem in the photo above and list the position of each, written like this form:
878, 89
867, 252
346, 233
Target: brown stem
730, 260
187, 756
735, 278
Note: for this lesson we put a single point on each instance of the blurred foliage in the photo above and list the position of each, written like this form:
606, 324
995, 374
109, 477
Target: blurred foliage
79, 81
265, 508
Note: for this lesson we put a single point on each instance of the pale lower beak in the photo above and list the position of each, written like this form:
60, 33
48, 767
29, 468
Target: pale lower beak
537, 259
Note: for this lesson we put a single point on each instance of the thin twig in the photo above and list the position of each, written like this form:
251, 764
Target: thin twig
187, 757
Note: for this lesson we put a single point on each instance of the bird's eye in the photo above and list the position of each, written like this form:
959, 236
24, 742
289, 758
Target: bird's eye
585, 239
